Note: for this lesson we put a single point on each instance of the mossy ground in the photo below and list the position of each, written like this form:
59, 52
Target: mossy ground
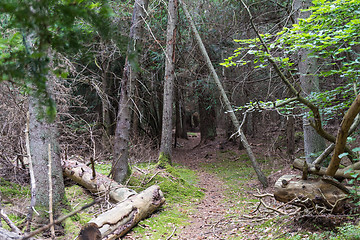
181, 194
238, 175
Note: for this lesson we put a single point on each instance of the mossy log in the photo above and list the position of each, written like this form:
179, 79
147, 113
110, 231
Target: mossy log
327, 193
119, 220
84, 176
347, 172
6, 235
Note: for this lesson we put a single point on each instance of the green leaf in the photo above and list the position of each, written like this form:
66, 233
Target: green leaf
343, 155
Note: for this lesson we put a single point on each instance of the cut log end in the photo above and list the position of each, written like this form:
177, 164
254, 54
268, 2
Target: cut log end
90, 232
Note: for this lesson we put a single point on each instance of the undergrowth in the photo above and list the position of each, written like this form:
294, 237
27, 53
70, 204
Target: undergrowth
240, 179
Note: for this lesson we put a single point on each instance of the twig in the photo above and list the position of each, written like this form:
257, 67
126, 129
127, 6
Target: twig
51, 216
168, 238
150, 178
32, 177
13, 227
59, 220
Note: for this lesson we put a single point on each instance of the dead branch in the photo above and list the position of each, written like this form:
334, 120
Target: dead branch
59, 220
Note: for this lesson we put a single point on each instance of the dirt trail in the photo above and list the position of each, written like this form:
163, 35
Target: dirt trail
206, 220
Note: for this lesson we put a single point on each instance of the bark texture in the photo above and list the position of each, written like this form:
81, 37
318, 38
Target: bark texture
342, 136
166, 134
83, 175
313, 142
229, 109
119, 220
311, 193
41, 134
340, 173
121, 170
6, 235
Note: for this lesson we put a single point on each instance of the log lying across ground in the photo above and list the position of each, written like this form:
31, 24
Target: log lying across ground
119, 220
83, 175
6, 235
327, 193
131, 207
347, 172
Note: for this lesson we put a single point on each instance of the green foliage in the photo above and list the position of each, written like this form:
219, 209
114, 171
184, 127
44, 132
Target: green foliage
330, 34
31, 29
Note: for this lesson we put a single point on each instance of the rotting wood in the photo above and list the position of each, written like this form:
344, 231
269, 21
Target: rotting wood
117, 221
311, 193
6, 235
83, 175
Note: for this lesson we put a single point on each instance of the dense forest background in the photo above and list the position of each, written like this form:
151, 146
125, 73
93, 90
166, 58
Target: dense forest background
125, 82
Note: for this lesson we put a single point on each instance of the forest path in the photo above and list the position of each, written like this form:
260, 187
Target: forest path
207, 221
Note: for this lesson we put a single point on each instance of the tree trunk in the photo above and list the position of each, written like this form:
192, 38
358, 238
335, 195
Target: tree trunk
342, 136
290, 137
41, 134
166, 134
120, 165
234, 120
207, 113
116, 222
313, 142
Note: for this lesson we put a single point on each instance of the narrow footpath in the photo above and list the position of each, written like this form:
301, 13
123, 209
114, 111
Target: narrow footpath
207, 221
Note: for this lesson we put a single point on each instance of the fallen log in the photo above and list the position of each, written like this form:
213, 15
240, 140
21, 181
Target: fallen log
117, 221
347, 172
324, 194
6, 235
83, 175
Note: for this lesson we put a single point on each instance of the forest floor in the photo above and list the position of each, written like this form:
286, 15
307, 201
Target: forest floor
220, 214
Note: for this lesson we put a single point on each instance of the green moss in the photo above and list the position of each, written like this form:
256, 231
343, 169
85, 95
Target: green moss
77, 197
164, 159
178, 186
13, 190
104, 169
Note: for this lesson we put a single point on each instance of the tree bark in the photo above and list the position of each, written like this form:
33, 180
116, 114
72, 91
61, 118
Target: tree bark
83, 175
120, 165
312, 193
318, 170
313, 142
229, 109
166, 134
290, 137
207, 113
116, 222
342, 136
41, 134
6, 235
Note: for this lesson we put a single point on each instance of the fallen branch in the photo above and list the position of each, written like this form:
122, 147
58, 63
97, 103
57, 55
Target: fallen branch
59, 220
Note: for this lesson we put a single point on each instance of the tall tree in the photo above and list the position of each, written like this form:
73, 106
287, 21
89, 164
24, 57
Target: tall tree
313, 142
166, 134
120, 165
228, 106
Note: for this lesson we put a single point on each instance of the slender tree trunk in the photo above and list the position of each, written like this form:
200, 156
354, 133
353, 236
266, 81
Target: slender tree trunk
166, 134
290, 136
207, 113
313, 142
234, 120
120, 165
